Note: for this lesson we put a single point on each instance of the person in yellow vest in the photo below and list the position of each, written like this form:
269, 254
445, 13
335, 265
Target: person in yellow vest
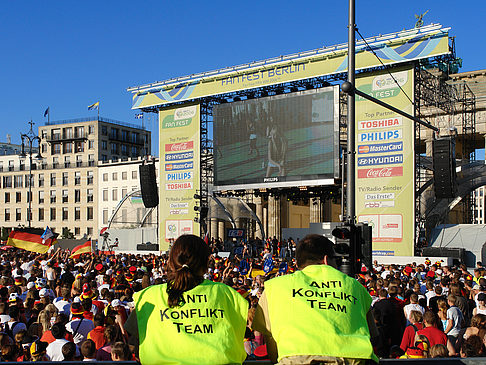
317, 314
189, 320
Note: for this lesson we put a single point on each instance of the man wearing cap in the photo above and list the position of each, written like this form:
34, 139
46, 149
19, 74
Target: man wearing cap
14, 324
63, 303
79, 326
329, 315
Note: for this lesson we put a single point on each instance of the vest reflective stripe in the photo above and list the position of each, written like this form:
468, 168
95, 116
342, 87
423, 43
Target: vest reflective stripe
319, 311
208, 329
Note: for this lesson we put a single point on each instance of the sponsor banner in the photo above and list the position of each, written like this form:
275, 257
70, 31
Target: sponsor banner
415, 44
380, 160
385, 194
179, 166
380, 136
380, 123
179, 156
179, 176
182, 146
380, 148
179, 139
383, 253
380, 172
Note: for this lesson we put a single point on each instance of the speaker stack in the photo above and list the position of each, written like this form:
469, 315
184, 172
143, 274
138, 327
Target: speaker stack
445, 185
148, 185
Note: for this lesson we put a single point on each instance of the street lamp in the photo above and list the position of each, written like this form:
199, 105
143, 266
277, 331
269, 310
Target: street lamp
27, 149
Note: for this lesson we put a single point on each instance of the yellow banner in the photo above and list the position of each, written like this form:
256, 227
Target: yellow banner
179, 145
328, 62
385, 162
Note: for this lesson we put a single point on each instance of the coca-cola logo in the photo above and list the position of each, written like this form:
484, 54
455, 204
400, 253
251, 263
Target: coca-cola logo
380, 172
182, 146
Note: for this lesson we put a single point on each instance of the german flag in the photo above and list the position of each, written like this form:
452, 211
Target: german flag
79, 250
30, 239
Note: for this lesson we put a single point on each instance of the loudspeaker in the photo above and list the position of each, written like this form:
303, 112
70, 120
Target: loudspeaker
458, 255
148, 185
148, 247
443, 154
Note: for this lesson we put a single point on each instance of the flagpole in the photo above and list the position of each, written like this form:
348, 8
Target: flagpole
99, 105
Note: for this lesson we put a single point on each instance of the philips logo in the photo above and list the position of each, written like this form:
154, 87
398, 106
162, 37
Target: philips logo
179, 176
179, 156
380, 136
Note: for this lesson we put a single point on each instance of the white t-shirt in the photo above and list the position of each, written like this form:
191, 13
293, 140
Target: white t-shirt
84, 328
54, 350
412, 307
63, 306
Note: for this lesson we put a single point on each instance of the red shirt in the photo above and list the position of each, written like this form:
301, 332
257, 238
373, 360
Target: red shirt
96, 334
408, 339
48, 337
434, 335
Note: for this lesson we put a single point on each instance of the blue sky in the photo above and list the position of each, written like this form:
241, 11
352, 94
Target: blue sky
70, 54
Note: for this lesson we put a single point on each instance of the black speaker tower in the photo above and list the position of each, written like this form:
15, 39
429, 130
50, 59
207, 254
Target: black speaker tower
148, 185
444, 160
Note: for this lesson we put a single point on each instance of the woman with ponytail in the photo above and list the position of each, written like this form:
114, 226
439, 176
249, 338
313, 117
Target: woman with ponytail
189, 320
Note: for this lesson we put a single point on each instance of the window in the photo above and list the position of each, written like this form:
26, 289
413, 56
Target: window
29, 181
77, 178
79, 161
10, 165
77, 231
105, 195
104, 130
105, 177
65, 179
55, 162
114, 195
124, 192
89, 231
77, 213
114, 176
18, 214
67, 161
28, 213
79, 147
29, 196
90, 177
41, 197
91, 160
18, 181
134, 138
41, 180
7, 181
7, 197
80, 132
53, 196
1, 166
44, 164
124, 175
21, 166
91, 144
91, 129
105, 216
104, 145
134, 151
65, 196
7, 214
18, 197
124, 150
44, 148
114, 133
77, 196
114, 148
68, 148
134, 174
53, 214
104, 157
68, 132
124, 135
53, 179
56, 148
65, 214
56, 134
89, 195
41, 214
89, 213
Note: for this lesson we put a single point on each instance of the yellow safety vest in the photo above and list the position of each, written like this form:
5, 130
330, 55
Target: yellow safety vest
208, 329
319, 311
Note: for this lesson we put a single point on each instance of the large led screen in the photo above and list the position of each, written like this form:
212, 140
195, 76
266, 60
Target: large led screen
277, 141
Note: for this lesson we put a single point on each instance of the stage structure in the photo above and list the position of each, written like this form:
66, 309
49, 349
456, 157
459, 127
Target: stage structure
276, 128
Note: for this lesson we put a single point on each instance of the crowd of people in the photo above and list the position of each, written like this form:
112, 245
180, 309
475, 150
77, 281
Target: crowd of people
54, 307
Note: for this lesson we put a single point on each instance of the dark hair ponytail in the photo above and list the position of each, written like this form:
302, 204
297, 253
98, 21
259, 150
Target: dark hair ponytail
188, 261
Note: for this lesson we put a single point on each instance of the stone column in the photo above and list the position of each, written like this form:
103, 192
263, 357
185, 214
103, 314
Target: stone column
213, 228
259, 213
316, 211
273, 217
221, 232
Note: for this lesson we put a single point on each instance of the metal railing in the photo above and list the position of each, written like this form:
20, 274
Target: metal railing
94, 119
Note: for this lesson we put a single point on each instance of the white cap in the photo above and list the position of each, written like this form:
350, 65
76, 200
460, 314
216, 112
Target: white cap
13, 297
116, 303
43, 293
109, 272
30, 285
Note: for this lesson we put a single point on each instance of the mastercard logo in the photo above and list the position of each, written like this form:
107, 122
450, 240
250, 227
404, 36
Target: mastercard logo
363, 149
168, 167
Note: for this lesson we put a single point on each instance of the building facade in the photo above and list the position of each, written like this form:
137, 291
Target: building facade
63, 183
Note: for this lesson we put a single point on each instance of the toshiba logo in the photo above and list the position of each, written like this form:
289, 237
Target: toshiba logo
380, 123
